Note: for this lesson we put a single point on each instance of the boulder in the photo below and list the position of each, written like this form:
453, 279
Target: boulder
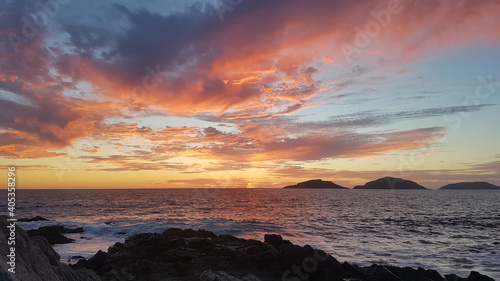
35, 259
37, 218
201, 255
54, 233
209, 275
474, 276
274, 239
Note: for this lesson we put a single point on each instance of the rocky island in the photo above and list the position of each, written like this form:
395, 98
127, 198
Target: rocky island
316, 184
188, 254
470, 186
390, 183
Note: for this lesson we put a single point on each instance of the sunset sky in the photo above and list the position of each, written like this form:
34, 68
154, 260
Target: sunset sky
248, 93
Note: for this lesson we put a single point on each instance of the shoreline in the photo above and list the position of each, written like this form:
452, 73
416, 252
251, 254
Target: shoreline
364, 257
187, 254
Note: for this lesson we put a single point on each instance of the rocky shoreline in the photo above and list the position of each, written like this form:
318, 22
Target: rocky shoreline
188, 254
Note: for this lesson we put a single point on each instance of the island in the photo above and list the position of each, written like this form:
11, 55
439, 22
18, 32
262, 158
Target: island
390, 183
316, 184
470, 186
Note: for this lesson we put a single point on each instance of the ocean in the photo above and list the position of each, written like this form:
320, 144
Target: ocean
449, 231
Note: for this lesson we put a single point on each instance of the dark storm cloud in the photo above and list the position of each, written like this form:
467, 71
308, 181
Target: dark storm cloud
154, 39
85, 39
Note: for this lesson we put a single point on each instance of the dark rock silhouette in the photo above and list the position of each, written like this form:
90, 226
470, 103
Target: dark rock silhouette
187, 254
37, 218
390, 183
35, 259
315, 184
471, 186
201, 255
53, 233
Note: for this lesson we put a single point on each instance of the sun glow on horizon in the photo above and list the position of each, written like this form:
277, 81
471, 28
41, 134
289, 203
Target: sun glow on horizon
268, 97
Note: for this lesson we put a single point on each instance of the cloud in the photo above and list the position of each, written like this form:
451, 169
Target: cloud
14, 145
255, 70
374, 118
259, 56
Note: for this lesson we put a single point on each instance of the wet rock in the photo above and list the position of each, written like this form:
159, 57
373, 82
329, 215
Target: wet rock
274, 239
210, 275
37, 218
178, 254
77, 258
381, 273
474, 276
36, 260
52, 238
95, 263
54, 233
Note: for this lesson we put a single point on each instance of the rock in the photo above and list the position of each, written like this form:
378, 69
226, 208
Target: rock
474, 276
74, 259
386, 272
209, 275
188, 233
380, 273
53, 233
470, 186
53, 238
36, 260
37, 218
316, 184
274, 239
178, 254
199, 243
250, 277
390, 183
77, 258
96, 262
407, 273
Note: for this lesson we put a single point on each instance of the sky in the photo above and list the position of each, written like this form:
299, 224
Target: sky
248, 93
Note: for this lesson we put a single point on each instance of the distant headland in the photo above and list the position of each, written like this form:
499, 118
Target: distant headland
471, 186
393, 183
316, 184
390, 183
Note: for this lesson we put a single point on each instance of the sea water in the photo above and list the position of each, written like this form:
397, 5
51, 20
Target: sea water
449, 231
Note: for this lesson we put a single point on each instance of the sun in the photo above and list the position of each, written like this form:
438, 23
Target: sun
250, 185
